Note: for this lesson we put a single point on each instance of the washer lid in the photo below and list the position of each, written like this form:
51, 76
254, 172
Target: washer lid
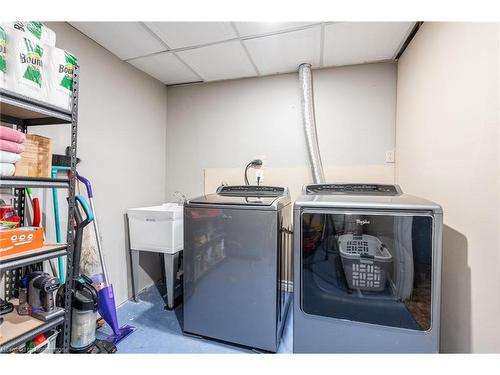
404, 202
234, 200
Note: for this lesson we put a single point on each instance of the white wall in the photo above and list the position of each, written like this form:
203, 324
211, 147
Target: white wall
121, 141
227, 124
448, 151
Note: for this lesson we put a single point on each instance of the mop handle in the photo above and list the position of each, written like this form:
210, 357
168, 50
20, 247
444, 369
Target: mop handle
81, 223
60, 261
89, 213
99, 246
88, 186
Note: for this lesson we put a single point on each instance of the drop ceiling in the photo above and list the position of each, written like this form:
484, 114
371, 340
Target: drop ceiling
186, 52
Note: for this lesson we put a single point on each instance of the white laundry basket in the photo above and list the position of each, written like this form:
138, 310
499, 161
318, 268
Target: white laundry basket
366, 261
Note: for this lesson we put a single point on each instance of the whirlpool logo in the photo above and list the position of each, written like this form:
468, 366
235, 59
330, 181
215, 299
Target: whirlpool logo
362, 222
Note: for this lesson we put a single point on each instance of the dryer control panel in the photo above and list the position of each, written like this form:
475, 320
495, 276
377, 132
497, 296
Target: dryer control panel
353, 189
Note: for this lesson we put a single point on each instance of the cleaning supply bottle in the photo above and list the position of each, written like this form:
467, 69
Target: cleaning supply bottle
24, 307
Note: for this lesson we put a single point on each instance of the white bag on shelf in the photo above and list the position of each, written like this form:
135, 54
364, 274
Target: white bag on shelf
36, 29
59, 82
26, 65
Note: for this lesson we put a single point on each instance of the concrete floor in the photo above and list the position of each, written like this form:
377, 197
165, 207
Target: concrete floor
158, 330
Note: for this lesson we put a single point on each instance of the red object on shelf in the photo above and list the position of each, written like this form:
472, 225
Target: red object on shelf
39, 339
8, 213
36, 212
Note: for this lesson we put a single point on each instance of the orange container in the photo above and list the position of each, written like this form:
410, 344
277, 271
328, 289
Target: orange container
19, 240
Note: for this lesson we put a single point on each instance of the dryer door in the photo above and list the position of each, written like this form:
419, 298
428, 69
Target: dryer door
372, 267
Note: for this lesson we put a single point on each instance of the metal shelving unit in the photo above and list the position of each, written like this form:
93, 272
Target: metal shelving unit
21, 110
38, 255
35, 327
24, 113
42, 182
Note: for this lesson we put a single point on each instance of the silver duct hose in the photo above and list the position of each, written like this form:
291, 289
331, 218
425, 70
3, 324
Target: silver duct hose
307, 104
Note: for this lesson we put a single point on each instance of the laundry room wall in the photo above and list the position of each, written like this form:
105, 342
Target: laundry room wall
447, 150
215, 129
121, 143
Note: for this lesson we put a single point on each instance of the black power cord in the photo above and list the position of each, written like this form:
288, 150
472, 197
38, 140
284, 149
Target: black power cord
253, 164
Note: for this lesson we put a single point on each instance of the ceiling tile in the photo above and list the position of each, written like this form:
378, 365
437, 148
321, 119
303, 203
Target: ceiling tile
165, 67
187, 34
219, 61
125, 39
360, 42
256, 28
283, 53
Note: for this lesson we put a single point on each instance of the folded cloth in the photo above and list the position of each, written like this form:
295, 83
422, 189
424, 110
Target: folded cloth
12, 135
9, 157
7, 169
9, 146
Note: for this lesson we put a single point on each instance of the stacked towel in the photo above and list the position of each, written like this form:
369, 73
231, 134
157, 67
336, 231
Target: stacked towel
11, 147
12, 135
9, 157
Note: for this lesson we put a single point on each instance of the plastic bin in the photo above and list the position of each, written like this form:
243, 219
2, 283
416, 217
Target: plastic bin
48, 346
366, 261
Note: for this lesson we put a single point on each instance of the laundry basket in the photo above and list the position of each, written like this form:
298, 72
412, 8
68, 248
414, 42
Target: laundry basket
366, 261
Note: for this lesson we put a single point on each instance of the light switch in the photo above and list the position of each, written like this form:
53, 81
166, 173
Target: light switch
389, 156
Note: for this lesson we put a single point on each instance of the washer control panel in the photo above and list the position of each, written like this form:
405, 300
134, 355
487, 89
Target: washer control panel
251, 190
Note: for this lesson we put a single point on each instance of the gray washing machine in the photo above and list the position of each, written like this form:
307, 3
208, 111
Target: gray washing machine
237, 265
367, 270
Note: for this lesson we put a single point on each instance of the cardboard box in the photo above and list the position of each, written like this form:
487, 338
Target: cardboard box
36, 160
19, 240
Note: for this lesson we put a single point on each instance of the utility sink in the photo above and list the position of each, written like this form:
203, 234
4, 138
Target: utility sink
157, 229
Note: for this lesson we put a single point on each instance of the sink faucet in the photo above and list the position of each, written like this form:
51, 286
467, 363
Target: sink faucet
179, 197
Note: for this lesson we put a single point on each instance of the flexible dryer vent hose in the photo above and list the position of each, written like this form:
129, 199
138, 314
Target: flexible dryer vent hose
309, 121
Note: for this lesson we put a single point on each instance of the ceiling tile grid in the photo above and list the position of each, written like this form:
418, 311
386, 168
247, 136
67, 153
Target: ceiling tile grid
282, 53
246, 29
219, 61
188, 34
125, 39
167, 68
185, 52
350, 43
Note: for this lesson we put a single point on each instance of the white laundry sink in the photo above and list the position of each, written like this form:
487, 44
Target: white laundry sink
158, 228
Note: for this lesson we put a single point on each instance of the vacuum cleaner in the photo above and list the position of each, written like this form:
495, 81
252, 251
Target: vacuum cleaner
107, 306
84, 296
41, 289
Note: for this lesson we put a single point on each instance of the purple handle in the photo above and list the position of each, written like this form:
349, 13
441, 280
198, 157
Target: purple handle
86, 183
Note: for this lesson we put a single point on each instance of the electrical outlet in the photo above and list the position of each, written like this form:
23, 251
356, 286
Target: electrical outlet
389, 156
263, 158
259, 176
